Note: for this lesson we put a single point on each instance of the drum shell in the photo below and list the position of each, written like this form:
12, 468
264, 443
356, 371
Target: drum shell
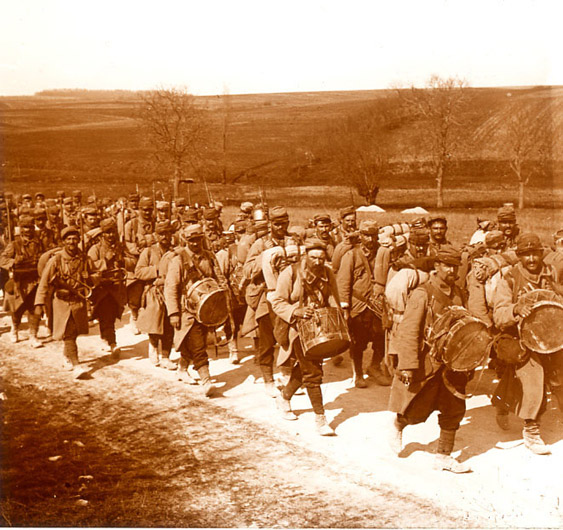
325, 335
542, 330
207, 302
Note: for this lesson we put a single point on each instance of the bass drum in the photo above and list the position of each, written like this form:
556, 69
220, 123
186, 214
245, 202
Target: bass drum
459, 340
325, 334
207, 302
542, 330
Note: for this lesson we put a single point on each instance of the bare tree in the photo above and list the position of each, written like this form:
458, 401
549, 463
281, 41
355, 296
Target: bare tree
177, 129
439, 110
526, 136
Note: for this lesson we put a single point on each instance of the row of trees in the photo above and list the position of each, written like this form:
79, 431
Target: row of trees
367, 145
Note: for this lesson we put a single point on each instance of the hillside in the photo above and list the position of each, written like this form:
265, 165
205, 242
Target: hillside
86, 139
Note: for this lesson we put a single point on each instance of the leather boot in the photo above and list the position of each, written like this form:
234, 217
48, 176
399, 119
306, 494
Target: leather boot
323, 428
153, 354
205, 380
359, 381
396, 436
284, 406
14, 333
444, 461
233, 352
380, 374
533, 440
502, 419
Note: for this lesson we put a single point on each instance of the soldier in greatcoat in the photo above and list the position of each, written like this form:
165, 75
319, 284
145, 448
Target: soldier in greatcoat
153, 317
421, 384
70, 275
522, 388
188, 266
20, 258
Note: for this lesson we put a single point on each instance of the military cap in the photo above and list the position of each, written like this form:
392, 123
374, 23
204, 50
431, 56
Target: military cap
261, 226
369, 228
240, 226
27, 196
162, 205
108, 225
349, 210
278, 213
50, 202
322, 218
493, 238
297, 230
39, 213
94, 232
26, 220
246, 207
419, 236
53, 210
91, 200
146, 202
210, 214
163, 227
424, 263
133, 196
39, 195
68, 230
77, 193
193, 231
449, 255
436, 219
61, 193
558, 236
67, 200
190, 216
89, 210
180, 201
528, 242
477, 251
314, 243
419, 222
506, 213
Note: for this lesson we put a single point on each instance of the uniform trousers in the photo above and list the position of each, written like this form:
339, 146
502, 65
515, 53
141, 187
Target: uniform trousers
266, 343
70, 348
435, 396
307, 372
29, 306
134, 297
166, 338
365, 328
194, 346
107, 311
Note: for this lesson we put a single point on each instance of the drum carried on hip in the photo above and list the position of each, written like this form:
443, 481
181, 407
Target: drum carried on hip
459, 340
208, 302
325, 334
542, 330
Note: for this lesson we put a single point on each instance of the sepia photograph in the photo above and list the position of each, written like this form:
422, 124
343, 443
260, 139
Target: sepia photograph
273, 264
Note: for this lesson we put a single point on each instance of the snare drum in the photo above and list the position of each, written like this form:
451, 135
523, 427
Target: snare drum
325, 334
459, 340
208, 302
542, 330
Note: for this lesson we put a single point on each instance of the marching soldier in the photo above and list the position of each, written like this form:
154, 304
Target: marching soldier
438, 227
322, 231
138, 236
47, 236
347, 228
108, 298
356, 288
421, 385
522, 388
190, 264
506, 221
153, 318
20, 258
256, 291
70, 274
302, 288
69, 213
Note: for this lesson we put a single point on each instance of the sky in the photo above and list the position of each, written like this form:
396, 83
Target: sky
252, 46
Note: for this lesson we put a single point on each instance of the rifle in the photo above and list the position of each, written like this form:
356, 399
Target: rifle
153, 201
9, 220
209, 197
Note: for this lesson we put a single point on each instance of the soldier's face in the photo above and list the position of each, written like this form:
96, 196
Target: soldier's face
532, 261
162, 215
349, 223
110, 237
40, 222
438, 231
419, 250
445, 272
27, 231
279, 227
71, 243
195, 245
506, 227
368, 241
92, 220
315, 260
165, 239
146, 213
323, 229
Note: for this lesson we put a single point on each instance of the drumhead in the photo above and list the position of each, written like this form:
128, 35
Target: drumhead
328, 347
542, 330
212, 310
467, 345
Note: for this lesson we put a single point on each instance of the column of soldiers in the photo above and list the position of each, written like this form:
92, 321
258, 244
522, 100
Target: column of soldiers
77, 263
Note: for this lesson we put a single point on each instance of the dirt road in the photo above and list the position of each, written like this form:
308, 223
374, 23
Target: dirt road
133, 446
